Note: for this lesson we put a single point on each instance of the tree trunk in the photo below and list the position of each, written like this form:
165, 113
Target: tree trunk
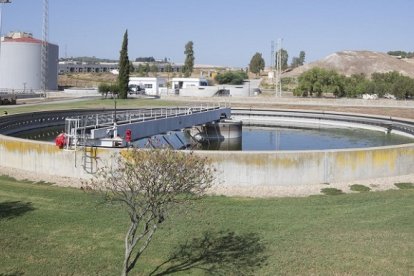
128, 248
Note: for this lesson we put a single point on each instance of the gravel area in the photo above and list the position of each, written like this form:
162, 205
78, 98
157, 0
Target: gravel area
376, 184
37, 177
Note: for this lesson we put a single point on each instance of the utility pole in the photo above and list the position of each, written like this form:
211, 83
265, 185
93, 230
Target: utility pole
272, 55
278, 86
272, 62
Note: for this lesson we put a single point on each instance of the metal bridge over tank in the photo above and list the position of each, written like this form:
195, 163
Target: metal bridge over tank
95, 129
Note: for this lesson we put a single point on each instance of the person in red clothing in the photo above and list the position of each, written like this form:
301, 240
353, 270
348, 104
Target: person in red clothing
60, 140
128, 137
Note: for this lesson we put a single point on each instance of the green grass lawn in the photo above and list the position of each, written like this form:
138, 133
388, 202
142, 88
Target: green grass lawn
90, 103
47, 230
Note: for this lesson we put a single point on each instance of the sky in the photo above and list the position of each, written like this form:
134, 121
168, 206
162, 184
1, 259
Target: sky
224, 32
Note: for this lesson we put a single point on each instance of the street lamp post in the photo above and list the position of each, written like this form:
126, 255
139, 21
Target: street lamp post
1, 21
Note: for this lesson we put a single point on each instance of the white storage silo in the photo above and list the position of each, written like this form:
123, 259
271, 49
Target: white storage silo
20, 63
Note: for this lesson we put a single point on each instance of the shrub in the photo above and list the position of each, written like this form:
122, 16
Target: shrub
318, 81
331, 191
360, 188
231, 77
105, 88
404, 185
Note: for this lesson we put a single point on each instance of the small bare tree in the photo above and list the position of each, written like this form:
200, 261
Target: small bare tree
150, 183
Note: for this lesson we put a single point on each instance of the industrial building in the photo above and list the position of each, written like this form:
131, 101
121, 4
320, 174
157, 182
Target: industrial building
70, 66
179, 83
85, 67
152, 86
20, 63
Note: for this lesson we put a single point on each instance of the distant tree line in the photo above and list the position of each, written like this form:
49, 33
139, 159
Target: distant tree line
145, 69
257, 63
319, 81
145, 59
402, 54
298, 61
284, 59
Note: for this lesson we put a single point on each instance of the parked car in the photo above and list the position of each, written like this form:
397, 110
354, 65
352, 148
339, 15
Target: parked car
136, 89
257, 91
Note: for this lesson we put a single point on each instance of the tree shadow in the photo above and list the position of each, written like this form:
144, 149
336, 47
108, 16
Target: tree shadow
13, 209
220, 253
15, 273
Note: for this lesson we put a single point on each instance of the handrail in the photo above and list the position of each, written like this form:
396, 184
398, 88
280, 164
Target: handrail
129, 116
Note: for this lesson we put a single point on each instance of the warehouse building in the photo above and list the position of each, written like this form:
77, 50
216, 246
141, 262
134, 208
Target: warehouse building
66, 67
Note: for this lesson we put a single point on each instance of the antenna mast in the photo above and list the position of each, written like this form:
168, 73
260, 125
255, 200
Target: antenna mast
44, 49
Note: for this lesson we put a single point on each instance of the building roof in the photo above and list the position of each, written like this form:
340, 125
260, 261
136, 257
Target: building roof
23, 40
188, 79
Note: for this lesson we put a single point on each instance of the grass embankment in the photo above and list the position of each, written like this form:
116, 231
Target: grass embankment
89, 104
47, 230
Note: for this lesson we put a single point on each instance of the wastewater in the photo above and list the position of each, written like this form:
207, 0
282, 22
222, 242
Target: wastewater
262, 139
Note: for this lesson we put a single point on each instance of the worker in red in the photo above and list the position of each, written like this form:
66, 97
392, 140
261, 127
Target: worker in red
60, 140
128, 137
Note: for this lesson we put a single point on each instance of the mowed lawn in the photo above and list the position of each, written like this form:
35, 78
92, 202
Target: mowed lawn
48, 230
99, 103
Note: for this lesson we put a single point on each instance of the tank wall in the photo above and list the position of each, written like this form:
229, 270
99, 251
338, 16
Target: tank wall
249, 169
234, 168
20, 66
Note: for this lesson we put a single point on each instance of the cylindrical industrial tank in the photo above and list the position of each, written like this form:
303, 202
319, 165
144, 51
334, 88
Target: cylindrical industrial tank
20, 64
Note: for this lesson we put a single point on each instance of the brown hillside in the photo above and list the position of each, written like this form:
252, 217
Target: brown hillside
357, 62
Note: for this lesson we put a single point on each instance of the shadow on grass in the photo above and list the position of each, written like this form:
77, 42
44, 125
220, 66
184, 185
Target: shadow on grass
218, 253
16, 273
13, 209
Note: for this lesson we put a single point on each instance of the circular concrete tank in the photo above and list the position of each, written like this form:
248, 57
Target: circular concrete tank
249, 169
20, 63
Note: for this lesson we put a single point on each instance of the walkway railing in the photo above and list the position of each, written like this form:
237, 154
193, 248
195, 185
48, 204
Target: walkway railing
131, 116
80, 129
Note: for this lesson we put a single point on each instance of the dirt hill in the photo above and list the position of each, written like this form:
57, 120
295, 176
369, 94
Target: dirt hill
356, 62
